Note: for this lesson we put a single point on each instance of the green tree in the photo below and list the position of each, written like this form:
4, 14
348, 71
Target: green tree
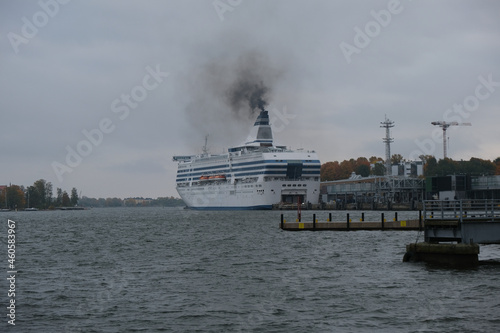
478, 166
363, 170
130, 202
15, 197
379, 169
48, 194
375, 159
446, 166
3, 204
34, 198
66, 202
114, 202
362, 167
397, 159
41, 193
59, 197
168, 202
74, 197
430, 166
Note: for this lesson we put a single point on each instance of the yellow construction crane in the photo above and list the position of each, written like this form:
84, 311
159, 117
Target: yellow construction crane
444, 125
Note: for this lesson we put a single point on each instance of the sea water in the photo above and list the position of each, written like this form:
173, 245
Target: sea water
176, 270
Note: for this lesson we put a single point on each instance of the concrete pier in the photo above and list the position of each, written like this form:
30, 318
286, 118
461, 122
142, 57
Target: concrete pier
457, 255
453, 229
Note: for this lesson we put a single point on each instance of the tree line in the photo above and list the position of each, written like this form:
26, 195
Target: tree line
375, 166
447, 166
361, 166
131, 202
39, 195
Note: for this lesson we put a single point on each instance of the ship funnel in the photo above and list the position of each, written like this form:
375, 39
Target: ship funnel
261, 133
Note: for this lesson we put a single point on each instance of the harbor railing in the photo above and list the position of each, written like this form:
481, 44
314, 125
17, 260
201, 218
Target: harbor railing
462, 210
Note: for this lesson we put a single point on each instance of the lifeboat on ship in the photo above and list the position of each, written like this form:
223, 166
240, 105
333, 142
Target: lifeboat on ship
217, 177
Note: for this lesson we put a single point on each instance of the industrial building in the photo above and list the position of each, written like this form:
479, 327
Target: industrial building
408, 169
400, 192
404, 185
463, 187
375, 192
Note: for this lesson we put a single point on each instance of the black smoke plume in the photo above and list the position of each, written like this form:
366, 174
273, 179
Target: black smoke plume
249, 89
223, 94
244, 92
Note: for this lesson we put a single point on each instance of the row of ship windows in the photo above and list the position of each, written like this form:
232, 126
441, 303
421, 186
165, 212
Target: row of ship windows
260, 164
266, 179
244, 186
268, 168
257, 185
202, 188
288, 160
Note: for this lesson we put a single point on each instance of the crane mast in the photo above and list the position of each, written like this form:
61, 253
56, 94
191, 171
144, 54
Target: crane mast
444, 125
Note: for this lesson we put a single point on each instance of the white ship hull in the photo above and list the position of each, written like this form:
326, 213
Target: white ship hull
256, 175
258, 195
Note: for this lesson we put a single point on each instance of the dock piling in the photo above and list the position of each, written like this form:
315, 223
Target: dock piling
420, 220
382, 221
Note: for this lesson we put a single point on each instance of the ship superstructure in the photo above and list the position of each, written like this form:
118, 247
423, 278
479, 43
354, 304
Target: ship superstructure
254, 175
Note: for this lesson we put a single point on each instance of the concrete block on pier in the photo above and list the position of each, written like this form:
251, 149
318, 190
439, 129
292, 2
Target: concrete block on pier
460, 255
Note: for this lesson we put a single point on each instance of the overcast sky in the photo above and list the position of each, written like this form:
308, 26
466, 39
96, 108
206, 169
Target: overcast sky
99, 95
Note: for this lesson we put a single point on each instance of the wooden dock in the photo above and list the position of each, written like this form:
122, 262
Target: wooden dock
349, 225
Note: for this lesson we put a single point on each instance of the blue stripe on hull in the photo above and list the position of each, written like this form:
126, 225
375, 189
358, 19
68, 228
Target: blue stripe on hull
258, 207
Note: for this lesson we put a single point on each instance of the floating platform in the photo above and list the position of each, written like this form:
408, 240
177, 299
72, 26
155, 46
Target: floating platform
349, 225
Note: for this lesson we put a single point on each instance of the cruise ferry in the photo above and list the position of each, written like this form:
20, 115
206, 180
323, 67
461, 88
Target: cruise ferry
254, 175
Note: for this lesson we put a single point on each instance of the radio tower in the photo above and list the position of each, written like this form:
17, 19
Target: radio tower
387, 140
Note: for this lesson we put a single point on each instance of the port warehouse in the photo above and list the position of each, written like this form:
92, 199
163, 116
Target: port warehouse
402, 192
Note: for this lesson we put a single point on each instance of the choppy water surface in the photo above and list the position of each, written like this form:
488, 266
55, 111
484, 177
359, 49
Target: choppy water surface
175, 270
